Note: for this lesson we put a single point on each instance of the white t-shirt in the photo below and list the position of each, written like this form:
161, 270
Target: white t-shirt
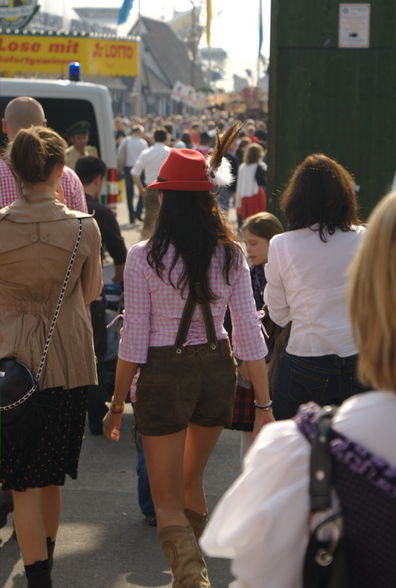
262, 521
150, 161
130, 149
307, 284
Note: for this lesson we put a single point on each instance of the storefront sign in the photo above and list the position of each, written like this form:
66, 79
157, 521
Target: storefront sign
354, 26
51, 54
14, 14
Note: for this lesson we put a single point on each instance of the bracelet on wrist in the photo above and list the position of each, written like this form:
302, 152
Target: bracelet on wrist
116, 408
115, 411
267, 406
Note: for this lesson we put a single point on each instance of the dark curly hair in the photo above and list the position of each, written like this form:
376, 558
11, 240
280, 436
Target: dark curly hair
321, 191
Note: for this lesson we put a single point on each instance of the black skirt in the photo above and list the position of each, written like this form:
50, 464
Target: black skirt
46, 446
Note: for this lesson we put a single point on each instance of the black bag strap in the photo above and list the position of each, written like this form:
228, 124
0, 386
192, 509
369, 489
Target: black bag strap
186, 319
320, 462
326, 558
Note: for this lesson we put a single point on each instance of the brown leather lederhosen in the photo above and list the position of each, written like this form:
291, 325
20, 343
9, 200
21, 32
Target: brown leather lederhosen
186, 383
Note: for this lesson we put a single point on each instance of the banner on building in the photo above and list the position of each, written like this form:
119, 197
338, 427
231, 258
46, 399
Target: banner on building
183, 93
51, 54
15, 14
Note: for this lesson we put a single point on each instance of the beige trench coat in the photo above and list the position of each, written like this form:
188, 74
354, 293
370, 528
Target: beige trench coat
37, 236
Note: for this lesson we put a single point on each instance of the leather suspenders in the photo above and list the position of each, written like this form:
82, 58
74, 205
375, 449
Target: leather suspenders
186, 318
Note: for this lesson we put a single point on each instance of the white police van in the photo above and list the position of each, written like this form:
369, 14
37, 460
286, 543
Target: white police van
66, 102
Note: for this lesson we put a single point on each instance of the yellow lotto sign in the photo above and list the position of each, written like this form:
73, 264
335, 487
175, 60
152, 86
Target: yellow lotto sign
51, 54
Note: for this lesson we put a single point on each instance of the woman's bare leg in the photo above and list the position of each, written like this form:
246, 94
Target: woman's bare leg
51, 509
29, 525
200, 442
164, 459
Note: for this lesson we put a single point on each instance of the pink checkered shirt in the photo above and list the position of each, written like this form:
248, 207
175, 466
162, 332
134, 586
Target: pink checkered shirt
72, 187
153, 308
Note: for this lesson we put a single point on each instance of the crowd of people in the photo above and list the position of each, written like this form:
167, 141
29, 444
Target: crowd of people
220, 329
143, 144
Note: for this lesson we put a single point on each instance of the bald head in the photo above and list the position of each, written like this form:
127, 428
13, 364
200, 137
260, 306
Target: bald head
22, 113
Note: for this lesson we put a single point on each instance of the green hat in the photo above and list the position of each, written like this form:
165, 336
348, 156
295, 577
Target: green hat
80, 127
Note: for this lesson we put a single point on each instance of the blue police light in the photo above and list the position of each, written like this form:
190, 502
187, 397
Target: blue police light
74, 71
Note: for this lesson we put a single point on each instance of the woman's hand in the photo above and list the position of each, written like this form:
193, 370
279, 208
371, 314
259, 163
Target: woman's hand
112, 425
125, 372
262, 417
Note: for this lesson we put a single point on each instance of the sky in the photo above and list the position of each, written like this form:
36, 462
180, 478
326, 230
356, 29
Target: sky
235, 25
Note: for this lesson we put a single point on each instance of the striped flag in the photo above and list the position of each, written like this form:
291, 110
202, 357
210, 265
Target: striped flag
124, 11
260, 26
209, 15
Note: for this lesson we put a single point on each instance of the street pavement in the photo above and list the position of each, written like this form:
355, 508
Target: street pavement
103, 541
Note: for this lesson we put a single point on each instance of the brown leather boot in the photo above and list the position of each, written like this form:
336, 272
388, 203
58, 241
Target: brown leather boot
181, 549
197, 521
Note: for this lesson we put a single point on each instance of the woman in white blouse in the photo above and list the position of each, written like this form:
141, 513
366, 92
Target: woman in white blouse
306, 283
262, 522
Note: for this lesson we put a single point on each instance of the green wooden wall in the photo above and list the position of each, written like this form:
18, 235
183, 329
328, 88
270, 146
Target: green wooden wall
338, 101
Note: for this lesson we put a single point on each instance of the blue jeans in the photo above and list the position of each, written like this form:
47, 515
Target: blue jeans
328, 379
144, 493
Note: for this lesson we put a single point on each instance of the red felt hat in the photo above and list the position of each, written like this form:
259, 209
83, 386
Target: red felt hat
183, 169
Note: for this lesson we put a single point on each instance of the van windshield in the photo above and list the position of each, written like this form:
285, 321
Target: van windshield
61, 113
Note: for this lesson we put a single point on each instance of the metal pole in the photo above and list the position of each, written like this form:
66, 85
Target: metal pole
260, 40
273, 110
138, 84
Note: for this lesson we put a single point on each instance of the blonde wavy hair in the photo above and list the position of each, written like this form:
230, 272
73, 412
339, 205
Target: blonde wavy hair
372, 298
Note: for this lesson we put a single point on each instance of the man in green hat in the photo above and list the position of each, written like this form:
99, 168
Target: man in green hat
78, 134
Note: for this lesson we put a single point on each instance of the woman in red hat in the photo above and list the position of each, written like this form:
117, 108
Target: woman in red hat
177, 287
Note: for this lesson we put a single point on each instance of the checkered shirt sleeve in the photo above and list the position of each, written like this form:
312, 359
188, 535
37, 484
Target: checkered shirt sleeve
74, 191
135, 334
8, 187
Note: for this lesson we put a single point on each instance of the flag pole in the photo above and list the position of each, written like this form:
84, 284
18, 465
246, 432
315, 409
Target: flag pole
260, 19
209, 15
139, 84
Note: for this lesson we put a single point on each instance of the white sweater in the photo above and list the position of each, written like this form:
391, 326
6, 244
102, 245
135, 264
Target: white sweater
307, 284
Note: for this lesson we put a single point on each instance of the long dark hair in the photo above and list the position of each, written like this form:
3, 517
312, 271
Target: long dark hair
320, 191
192, 223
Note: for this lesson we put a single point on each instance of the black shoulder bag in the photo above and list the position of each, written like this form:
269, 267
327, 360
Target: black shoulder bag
17, 381
325, 564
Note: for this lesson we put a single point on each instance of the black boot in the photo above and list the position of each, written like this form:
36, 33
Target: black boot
38, 575
50, 550
6, 506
